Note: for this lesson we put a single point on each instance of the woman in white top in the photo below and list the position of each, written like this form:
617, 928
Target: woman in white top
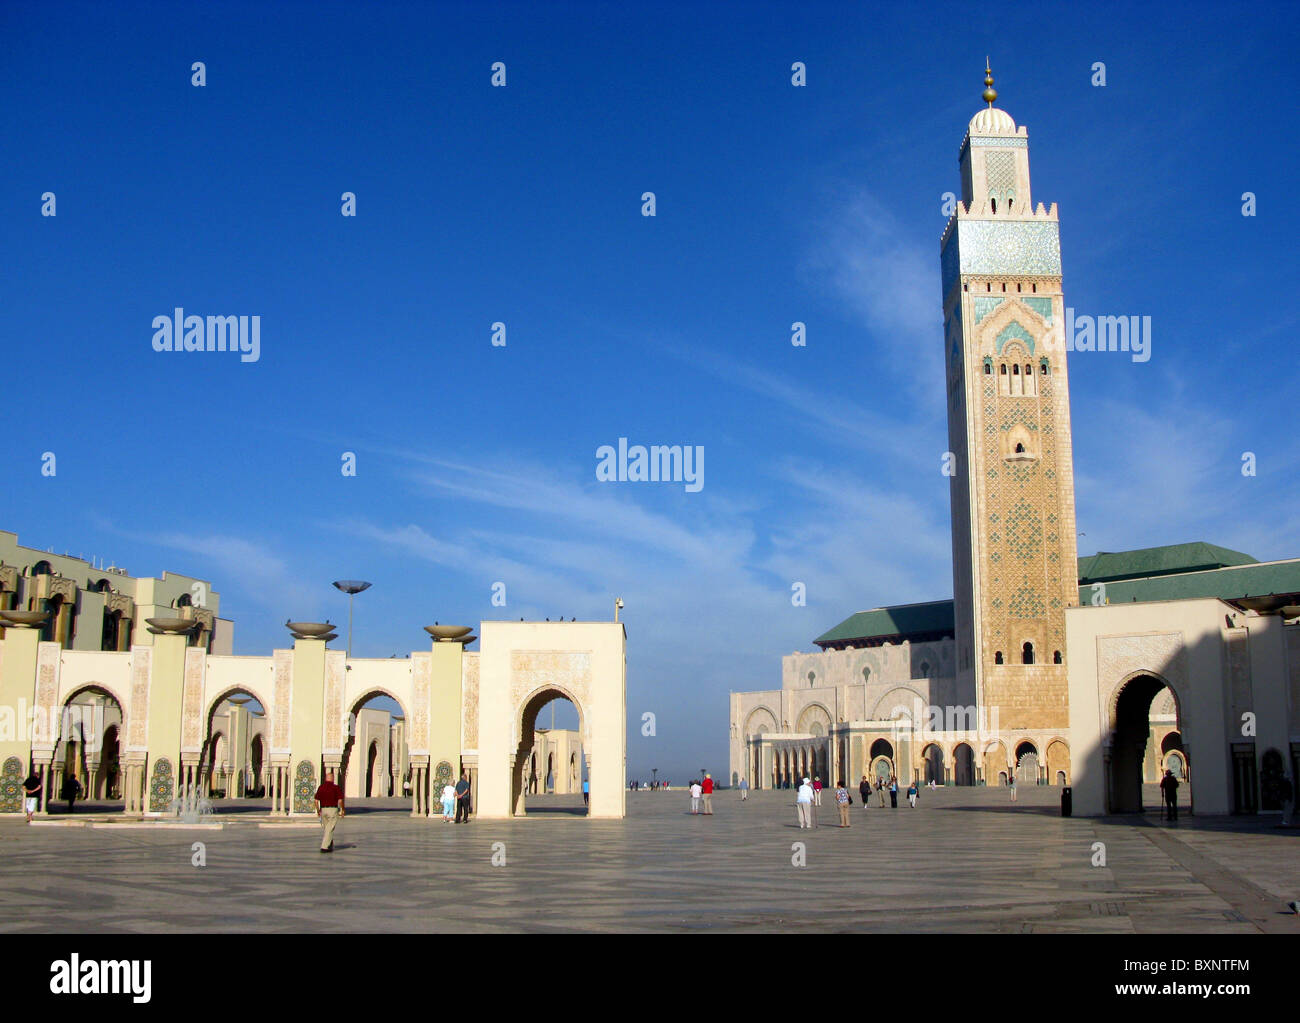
448, 802
696, 791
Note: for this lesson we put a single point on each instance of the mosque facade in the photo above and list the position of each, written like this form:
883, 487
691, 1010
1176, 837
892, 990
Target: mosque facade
1097, 673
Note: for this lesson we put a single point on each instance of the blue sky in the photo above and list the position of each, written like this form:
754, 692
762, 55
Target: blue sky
476, 464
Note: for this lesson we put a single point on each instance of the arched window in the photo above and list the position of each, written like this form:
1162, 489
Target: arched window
994, 203
1002, 368
925, 669
988, 369
1056, 657
866, 674
1020, 449
1029, 370
997, 657
1044, 368
42, 568
184, 600
1015, 369
1027, 653
104, 586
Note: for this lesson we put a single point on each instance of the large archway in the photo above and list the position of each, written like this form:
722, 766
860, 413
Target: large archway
933, 757
525, 665
232, 759
882, 760
550, 759
373, 764
1026, 763
1131, 741
963, 764
90, 724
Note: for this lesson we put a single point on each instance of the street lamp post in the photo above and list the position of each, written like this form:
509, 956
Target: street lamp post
351, 587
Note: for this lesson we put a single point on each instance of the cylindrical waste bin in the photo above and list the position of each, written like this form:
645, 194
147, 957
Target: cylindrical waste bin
1067, 801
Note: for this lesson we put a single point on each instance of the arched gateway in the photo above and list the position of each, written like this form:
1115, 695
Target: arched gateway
525, 665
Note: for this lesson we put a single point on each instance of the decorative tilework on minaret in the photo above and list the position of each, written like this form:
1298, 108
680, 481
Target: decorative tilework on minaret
1013, 529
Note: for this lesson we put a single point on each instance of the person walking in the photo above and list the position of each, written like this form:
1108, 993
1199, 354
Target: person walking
744, 790
329, 808
32, 794
462, 799
803, 802
864, 790
706, 794
1011, 782
893, 792
842, 800
70, 791
912, 792
697, 790
586, 792
1169, 788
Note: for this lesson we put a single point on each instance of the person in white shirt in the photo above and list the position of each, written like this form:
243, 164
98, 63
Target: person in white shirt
448, 802
696, 792
803, 803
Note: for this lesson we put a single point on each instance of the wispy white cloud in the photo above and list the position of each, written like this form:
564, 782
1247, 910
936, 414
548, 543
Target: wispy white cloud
887, 274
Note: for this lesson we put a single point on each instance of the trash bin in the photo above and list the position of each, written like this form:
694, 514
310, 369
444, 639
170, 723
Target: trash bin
1067, 801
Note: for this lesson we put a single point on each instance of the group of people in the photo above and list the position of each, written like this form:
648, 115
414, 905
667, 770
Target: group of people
809, 797
702, 796
636, 786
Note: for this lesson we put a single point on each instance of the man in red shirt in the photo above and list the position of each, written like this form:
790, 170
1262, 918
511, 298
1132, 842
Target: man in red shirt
329, 808
706, 793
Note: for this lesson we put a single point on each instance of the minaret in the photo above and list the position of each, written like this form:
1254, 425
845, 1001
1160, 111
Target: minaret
1013, 533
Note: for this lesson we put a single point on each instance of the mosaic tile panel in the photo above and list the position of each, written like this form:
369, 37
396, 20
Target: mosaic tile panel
1008, 247
304, 787
1042, 306
162, 786
11, 786
1016, 330
984, 305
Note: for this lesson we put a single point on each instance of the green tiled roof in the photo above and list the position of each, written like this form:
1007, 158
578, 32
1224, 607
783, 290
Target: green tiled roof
902, 620
1149, 561
1234, 583
1178, 572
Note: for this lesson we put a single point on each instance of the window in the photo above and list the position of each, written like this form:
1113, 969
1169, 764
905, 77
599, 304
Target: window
925, 669
1027, 653
1056, 657
1003, 369
1016, 369
1020, 449
995, 204
997, 657
988, 369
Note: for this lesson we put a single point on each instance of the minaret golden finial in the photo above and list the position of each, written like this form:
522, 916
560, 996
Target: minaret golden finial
990, 93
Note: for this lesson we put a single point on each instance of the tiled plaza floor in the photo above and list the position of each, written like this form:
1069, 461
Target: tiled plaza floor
965, 860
